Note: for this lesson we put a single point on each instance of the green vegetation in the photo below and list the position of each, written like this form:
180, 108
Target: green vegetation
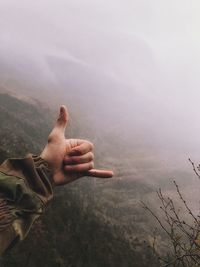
90, 223
24, 127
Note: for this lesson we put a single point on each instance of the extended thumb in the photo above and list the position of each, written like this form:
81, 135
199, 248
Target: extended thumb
62, 118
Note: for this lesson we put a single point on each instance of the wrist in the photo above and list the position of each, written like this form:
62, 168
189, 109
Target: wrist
41, 164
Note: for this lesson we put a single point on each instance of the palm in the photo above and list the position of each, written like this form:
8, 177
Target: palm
58, 148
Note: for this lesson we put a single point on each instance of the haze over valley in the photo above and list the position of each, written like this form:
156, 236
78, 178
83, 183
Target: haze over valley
128, 71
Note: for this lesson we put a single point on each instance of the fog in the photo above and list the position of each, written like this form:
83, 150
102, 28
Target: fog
132, 66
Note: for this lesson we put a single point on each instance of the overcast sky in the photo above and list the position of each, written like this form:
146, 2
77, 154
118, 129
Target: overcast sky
151, 47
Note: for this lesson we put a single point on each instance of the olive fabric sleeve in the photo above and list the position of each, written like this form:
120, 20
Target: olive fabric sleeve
25, 190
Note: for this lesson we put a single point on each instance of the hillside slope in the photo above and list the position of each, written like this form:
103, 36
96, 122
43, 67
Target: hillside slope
89, 223
24, 127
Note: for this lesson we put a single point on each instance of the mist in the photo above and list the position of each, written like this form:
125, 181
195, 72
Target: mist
128, 71
131, 67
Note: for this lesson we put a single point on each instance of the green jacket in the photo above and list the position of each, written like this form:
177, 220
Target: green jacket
25, 190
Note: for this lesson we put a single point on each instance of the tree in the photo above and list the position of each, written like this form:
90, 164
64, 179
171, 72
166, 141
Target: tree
183, 233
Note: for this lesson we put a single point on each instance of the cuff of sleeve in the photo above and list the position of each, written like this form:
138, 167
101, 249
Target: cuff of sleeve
42, 165
25, 190
46, 176
35, 171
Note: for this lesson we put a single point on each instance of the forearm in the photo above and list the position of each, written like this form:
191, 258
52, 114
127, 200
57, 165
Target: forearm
25, 190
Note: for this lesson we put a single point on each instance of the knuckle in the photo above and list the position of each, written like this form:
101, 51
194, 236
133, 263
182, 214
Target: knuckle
91, 165
53, 136
90, 145
50, 139
91, 156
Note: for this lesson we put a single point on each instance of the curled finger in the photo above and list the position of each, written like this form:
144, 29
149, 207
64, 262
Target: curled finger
79, 167
81, 149
71, 160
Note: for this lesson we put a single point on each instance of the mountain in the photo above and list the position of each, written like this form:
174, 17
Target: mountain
89, 222
24, 126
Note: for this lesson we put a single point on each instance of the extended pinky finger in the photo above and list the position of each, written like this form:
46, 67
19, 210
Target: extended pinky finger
100, 173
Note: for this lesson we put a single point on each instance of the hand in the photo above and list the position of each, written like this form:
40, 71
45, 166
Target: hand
70, 159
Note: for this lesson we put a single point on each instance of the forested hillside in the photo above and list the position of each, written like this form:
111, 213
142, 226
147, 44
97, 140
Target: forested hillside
24, 127
90, 223
128, 71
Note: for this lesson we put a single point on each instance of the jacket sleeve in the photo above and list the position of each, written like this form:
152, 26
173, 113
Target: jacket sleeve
25, 190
